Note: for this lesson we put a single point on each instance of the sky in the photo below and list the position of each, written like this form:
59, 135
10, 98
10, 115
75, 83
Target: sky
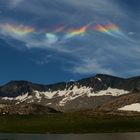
47, 41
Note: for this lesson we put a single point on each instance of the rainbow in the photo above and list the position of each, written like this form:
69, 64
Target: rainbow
112, 27
108, 29
65, 33
77, 32
20, 30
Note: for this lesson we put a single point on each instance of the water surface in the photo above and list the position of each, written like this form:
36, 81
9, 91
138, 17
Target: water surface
102, 136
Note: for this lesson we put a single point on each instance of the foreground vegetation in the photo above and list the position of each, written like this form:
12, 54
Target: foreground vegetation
76, 122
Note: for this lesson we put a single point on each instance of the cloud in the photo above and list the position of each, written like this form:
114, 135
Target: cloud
90, 66
92, 54
45, 60
51, 38
14, 3
97, 6
111, 52
131, 33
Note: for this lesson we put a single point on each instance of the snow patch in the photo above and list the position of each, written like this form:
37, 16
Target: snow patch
7, 98
53, 94
37, 94
99, 79
22, 97
109, 91
131, 107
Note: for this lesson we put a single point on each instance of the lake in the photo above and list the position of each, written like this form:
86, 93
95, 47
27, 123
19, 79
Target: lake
101, 136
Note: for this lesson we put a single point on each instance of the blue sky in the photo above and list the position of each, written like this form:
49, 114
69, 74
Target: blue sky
36, 45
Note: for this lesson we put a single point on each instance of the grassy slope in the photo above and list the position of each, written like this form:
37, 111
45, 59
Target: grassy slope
68, 123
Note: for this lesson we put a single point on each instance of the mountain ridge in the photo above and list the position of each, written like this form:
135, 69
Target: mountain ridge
88, 93
109, 80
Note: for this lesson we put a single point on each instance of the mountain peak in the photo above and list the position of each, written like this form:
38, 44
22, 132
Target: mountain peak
12, 82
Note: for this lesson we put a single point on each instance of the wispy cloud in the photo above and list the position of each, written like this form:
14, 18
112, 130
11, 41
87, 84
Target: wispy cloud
91, 66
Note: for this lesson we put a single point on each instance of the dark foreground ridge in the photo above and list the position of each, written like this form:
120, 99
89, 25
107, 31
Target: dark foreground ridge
74, 122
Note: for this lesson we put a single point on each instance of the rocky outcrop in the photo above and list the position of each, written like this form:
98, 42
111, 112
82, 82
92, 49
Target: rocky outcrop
27, 109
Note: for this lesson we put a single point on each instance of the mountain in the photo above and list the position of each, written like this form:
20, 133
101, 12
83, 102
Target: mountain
100, 92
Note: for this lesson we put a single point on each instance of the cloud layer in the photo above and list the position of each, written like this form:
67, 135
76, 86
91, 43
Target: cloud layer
99, 35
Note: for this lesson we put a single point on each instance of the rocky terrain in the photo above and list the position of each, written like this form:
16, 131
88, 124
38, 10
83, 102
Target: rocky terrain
100, 92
